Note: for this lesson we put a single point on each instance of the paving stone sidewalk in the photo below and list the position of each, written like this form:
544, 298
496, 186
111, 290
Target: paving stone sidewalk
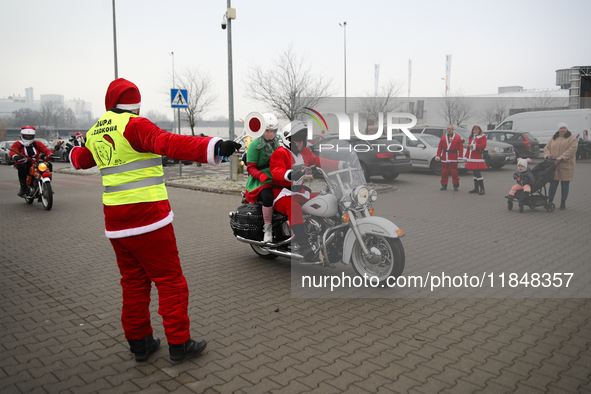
60, 311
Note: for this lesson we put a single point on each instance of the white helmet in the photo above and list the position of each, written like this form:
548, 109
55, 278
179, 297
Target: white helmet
271, 122
27, 135
293, 128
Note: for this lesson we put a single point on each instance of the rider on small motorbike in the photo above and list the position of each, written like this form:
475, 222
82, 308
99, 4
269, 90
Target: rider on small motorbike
288, 187
25, 152
259, 184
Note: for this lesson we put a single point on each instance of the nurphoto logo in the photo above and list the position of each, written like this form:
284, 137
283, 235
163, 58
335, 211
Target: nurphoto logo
345, 124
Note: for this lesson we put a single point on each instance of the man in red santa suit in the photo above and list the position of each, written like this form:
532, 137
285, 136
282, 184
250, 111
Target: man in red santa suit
449, 151
287, 183
138, 219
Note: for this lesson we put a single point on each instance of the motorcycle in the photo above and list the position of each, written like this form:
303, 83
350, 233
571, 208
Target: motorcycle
339, 222
39, 184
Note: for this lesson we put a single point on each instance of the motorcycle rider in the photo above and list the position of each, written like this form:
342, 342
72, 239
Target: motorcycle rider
288, 187
258, 185
24, 152
138, 218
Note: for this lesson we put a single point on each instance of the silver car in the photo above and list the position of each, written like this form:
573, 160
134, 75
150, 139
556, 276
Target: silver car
423, 152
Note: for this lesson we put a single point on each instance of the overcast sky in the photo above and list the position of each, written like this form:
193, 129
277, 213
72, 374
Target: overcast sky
66, 46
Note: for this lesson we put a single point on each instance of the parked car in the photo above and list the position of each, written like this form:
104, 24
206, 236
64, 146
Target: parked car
4, 155
60, 154
525, 144
423, 152
499, 153
378, 157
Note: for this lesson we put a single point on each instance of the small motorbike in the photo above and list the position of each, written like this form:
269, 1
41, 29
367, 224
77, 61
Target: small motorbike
39, 184
339, 222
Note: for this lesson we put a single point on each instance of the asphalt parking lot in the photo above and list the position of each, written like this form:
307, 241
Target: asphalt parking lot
60, 310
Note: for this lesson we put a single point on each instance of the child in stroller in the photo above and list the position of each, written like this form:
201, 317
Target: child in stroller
524, 178
531, 185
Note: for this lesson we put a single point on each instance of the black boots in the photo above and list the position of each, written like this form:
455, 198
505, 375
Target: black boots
478, 187
481, 184
443, 187
562, 205
302, 240
186, 350
23, 189
142, 348
456, 187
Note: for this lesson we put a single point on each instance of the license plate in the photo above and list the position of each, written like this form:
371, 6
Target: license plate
400, 157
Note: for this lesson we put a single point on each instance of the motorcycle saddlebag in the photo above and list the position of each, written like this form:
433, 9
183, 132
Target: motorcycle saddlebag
248, 222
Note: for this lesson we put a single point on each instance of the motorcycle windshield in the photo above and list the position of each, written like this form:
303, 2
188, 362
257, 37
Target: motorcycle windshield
339, 160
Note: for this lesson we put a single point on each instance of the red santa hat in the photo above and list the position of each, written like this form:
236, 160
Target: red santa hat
123, 94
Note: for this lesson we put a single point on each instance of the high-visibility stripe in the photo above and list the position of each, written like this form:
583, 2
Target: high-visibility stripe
135, 185
136, 165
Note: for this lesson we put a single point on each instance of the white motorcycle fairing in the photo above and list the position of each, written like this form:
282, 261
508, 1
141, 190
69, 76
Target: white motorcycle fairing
369, 225
325, 205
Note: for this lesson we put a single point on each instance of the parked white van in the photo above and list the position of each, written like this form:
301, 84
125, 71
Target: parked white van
543, 124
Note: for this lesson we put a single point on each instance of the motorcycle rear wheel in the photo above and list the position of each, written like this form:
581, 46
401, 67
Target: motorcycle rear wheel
263, 253
391, 264
46, 196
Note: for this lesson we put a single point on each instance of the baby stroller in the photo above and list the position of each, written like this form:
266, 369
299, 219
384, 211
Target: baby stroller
543, 173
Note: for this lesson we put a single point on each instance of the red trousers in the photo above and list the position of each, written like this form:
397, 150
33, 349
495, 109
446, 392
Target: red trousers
292, 207
446, 168
147, 258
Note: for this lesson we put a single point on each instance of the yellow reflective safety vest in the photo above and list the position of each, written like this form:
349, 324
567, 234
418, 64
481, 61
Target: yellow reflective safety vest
129, 176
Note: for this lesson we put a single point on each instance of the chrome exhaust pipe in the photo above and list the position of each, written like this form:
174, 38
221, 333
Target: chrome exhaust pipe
263, 244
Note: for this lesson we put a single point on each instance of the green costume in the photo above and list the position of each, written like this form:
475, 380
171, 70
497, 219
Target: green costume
261, 179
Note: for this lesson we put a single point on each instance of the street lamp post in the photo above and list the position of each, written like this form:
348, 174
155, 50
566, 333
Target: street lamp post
344, 26
227, 23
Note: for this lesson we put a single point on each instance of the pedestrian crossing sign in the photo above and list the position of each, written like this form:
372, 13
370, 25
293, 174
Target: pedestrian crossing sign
178, 98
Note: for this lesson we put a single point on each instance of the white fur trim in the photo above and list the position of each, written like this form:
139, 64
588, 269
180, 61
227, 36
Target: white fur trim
140, 230
212, 158
129, 107
286, 175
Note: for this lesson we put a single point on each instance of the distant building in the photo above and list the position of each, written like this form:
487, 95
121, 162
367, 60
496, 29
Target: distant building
82, 109
577, 80
510, 89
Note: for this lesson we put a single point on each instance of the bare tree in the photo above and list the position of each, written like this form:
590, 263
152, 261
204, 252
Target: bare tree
544, 100
456, 108
23, 117
386, 102
287, 85
200, 95
56, 114
496, 111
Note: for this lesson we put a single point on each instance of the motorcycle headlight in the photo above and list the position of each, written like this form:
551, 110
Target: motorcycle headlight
42, 167
361, 195
373, 195
346, 201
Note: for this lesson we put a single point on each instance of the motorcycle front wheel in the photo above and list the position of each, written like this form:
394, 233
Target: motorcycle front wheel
391, 262
46, 196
